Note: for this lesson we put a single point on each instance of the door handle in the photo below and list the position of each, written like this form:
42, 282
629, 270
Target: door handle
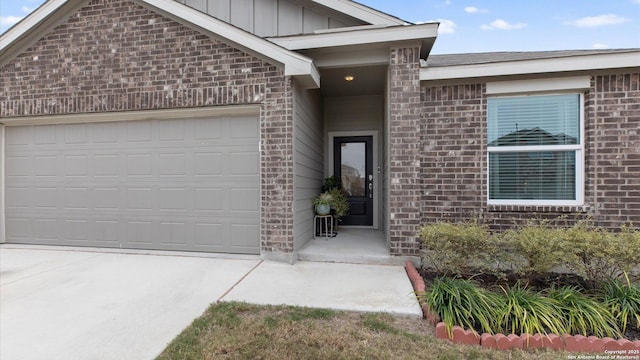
370, 189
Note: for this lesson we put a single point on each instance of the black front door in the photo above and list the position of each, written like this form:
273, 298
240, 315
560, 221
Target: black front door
353, 165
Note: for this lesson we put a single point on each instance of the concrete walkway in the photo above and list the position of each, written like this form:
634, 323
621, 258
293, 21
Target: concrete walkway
71, 303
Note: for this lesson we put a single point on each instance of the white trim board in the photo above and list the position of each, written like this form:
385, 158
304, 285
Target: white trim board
539, 85
361, 12
425, 34
536, 66
133, 115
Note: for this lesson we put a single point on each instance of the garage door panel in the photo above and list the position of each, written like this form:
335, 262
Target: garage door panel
46, 228
75, 134
19, 229
76, 229
140, 164
138, 131
106, 232
208, 163
174, 199
76, 166
173, 233
157, 184
209, 235
105, 198
45, 198
46, 166
20, 166
106, 165
244, 235
208, 130
76, 198
140, 198
139, 232
172, 164
171, 130
245, 200
243, 163
244, 128
209, 199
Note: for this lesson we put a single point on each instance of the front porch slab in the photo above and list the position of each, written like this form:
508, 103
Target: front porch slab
353, 246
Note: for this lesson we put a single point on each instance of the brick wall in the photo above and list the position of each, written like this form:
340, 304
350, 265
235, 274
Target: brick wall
613, 151
119, 56
454, 164
404, 151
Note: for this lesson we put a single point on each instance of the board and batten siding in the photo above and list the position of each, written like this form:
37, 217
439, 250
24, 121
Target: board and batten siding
273, 17
308, 161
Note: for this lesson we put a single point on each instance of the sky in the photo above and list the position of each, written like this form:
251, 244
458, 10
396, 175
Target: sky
468, 26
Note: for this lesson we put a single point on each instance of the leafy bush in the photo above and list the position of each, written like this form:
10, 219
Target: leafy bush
588, 251
460, 302
583, 314
542, 246
527, 312
623, 301
599, 255
457, 248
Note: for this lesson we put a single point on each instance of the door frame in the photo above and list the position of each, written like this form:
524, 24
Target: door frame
377, 168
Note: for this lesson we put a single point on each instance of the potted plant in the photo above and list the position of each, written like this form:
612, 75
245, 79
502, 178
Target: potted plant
333, 196
322, 203
339, 204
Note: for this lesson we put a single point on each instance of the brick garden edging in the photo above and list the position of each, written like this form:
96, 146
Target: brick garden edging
566, 342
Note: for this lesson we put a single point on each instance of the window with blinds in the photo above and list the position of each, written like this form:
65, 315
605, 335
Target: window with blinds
535, 149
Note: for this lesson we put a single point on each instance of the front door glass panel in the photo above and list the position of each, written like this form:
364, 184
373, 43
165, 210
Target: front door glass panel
353, 168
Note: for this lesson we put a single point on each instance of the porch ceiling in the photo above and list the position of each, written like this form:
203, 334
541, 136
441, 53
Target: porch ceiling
367, 80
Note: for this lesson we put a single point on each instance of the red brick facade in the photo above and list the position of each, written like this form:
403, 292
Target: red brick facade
118, 56
454, 156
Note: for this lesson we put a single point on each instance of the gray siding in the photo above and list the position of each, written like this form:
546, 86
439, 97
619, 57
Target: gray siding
274, 17
308, 161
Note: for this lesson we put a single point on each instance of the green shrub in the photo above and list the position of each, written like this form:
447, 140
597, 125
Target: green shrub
623, 301
598, 254
461, 302
542, 246
583, 314
456, 248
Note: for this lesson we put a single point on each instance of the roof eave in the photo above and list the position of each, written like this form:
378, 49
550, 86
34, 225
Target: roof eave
424, 33
361, 12
533, 66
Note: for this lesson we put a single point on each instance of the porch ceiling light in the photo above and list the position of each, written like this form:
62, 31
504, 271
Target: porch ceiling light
349, 78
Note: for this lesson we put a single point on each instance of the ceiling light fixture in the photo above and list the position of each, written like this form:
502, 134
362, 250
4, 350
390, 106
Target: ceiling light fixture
349, 78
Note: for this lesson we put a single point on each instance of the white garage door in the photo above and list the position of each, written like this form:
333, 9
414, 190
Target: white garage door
185, 184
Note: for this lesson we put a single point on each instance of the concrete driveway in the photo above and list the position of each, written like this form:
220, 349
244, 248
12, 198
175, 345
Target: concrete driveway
63, 303
95, 305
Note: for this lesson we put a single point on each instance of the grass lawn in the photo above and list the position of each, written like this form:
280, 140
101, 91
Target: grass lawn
242, 331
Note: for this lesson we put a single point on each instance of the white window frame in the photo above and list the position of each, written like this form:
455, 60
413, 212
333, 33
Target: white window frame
579, 153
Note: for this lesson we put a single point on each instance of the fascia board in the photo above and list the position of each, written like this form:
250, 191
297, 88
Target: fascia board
294, 64
537, 66
357, 37
361, 12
